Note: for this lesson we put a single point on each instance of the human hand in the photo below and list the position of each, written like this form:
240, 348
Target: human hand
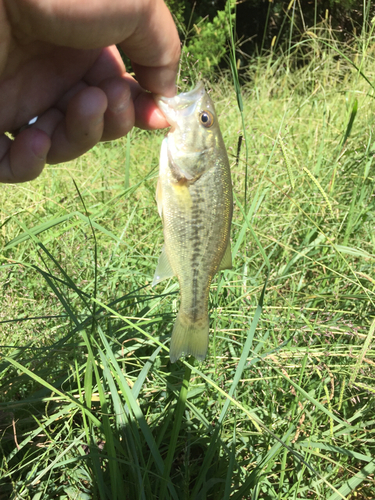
58, 61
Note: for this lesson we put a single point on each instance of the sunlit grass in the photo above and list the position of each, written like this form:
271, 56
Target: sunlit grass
283, 406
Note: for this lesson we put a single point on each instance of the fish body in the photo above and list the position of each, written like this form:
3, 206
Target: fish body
194, 197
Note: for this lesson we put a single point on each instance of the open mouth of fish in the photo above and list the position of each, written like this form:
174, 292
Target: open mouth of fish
181, 105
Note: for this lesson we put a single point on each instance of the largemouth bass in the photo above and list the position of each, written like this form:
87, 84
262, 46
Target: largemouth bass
194, 198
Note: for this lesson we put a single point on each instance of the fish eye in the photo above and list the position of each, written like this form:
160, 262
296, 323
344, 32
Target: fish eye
206, 118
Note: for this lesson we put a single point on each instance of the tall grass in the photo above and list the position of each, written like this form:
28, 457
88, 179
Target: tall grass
283, 406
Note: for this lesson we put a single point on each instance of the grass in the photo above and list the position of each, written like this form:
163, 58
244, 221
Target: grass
283, 406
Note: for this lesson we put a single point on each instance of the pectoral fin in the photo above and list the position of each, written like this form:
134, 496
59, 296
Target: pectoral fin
226, 261
163, 269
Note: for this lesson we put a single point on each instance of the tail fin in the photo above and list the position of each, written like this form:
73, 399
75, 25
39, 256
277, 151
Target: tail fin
189, 338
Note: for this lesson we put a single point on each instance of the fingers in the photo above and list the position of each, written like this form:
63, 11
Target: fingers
90, 115
119, 117
83, 117
80, 129
144, 29
23, 159
109, 64
154, 49
54, 137
35, 79
159, 80
147, 114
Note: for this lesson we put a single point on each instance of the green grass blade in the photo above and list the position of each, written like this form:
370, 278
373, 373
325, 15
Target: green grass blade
287, 162
232, 459
362, 355
354, 482
349, 127
132, 404
41, 381
127, 161
178, 414
214, 443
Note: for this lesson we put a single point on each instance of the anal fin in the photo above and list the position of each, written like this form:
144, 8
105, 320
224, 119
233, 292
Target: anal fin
163, 269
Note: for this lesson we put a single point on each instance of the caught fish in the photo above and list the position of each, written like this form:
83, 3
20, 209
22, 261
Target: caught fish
194, 198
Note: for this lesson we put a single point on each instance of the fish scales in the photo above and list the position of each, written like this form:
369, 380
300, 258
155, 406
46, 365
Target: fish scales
191, 246
194, 197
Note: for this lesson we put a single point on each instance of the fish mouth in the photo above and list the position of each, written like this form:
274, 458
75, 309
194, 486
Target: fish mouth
183, 104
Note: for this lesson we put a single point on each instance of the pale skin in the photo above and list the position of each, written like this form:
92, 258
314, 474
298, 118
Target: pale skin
58, 61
